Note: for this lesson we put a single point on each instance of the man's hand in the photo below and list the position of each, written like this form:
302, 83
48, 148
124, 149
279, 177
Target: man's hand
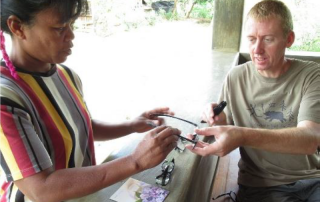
227, 139
209, 116
154, 148
146, 121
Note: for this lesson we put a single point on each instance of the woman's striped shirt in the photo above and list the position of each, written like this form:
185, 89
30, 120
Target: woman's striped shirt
44, 123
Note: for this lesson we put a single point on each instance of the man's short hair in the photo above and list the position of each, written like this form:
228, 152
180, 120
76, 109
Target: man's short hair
270, 8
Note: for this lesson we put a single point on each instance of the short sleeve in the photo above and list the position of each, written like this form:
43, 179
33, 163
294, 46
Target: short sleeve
22, 153
310, 104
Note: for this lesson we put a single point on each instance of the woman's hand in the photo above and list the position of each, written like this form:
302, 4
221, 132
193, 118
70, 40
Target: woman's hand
146, 121
155, 146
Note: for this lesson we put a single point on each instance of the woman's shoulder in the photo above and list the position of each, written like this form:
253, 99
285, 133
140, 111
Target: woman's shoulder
70, 75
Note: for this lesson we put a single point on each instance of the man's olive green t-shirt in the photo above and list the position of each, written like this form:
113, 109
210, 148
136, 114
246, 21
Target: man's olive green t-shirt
272, 103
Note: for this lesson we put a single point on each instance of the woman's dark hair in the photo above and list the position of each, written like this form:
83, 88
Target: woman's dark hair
26, 10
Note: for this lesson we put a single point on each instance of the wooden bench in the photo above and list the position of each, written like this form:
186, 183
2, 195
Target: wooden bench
226, 176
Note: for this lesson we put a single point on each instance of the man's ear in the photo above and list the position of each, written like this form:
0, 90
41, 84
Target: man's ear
290, 39
16, 27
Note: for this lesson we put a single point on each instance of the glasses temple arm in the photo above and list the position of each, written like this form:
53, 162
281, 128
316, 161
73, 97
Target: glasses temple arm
174, 117
187, 139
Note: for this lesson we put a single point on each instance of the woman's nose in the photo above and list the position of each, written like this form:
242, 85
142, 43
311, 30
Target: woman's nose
70, 34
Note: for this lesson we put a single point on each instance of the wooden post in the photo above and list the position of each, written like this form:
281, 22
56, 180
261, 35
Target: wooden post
227, 24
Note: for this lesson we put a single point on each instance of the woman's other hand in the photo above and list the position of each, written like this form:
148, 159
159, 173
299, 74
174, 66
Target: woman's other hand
146, 121
155, 146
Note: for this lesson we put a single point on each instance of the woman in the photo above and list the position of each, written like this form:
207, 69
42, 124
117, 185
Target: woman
46, 145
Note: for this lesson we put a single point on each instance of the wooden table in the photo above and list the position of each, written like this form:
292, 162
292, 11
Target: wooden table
191, 179
193, 176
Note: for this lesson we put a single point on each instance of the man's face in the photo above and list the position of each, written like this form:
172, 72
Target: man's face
267, 44
48, 40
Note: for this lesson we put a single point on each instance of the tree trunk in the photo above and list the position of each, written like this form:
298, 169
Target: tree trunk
175, 7
194, 3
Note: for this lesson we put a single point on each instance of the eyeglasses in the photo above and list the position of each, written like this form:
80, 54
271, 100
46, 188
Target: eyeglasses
167, 168
195, 137
232, 195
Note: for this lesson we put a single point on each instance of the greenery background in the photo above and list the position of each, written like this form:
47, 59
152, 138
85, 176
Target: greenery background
113, 16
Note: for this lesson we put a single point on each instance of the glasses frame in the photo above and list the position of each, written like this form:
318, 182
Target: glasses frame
232, 197
195, 138
167, 168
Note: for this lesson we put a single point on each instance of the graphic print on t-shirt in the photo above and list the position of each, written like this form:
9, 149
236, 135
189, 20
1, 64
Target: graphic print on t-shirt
271, 115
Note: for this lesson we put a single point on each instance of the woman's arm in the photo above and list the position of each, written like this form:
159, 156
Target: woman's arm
64, 184
143, 123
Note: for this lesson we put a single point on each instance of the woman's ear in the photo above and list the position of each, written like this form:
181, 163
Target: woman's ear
16, 27
290, 39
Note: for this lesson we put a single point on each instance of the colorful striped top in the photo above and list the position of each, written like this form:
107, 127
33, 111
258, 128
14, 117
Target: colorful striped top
44, 123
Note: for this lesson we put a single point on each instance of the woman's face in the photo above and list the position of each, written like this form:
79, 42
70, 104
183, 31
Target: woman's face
48, 40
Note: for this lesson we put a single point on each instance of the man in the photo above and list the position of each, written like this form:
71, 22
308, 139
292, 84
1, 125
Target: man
273, 114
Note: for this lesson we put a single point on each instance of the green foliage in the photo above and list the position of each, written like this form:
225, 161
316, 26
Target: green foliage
113, 16
169, 15
312, 45
203, 9
152, 20
306, 25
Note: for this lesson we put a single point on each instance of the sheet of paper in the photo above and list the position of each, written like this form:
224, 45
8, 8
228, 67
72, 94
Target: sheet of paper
136, 191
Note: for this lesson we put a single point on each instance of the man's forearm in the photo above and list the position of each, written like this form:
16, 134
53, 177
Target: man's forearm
299, 140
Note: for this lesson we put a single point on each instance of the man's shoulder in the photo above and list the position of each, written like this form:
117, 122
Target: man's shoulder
305, 64
242, 69
305, 67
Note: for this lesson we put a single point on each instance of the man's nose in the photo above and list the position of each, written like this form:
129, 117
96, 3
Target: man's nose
259, 47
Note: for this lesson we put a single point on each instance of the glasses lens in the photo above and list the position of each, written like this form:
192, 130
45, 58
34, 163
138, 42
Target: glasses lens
163, 180
167, 168
168, 165
180, 148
